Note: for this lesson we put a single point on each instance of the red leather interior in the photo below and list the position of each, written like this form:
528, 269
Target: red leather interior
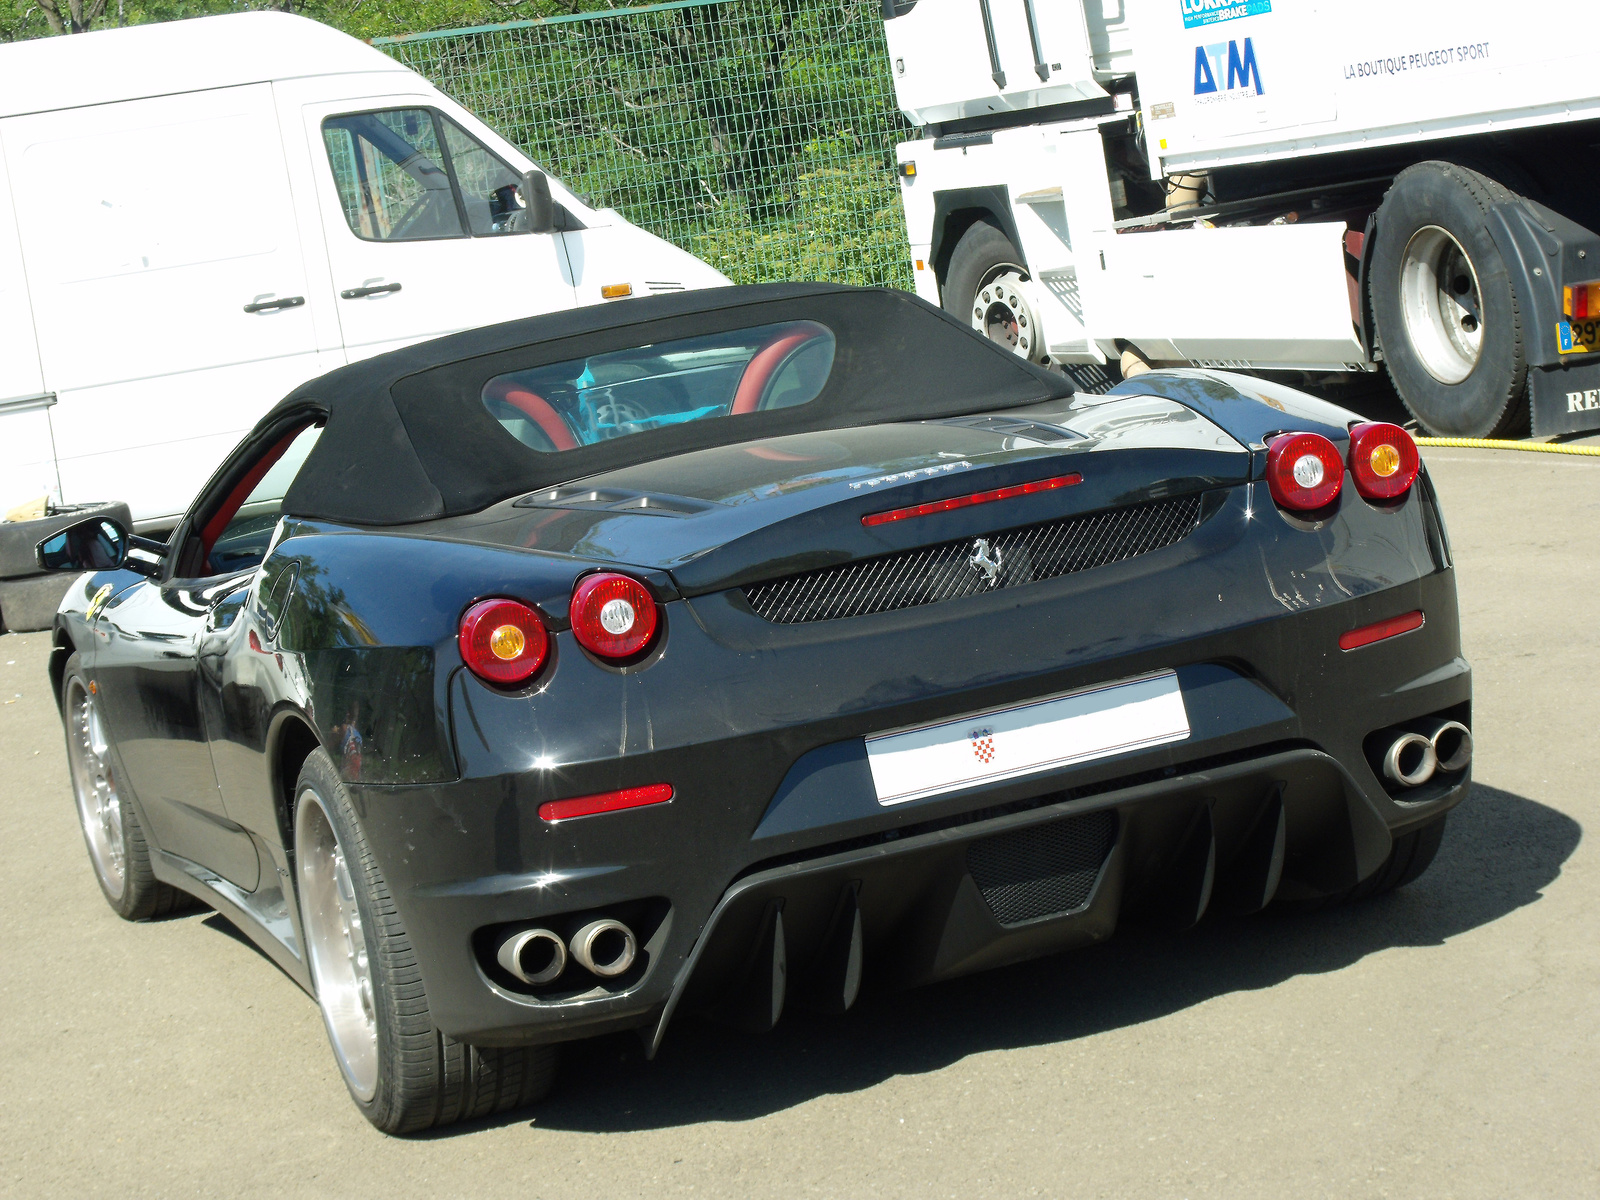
241, 492
537, 409
758, 372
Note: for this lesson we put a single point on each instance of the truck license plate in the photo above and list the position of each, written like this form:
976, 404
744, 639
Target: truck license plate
1578, 337
1003, 743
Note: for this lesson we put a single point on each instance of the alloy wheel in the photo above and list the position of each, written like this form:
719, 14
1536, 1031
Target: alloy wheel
94, 784
336, 943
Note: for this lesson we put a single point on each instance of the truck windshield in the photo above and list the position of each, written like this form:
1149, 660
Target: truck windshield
603, 396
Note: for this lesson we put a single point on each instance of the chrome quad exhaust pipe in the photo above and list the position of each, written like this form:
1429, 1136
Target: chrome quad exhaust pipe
1410, 760
535, 956
605, 947
1452, 745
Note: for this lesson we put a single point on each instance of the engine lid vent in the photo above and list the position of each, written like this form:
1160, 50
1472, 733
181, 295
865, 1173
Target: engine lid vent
972, 566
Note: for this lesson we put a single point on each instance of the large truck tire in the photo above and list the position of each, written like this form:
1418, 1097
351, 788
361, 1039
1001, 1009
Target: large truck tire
1445, 305
980, 290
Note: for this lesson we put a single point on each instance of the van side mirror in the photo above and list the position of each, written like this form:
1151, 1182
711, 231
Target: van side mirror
99, 544
539, 206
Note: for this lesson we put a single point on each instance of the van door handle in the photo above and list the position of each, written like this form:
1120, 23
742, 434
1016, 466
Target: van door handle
269, 305
375, 290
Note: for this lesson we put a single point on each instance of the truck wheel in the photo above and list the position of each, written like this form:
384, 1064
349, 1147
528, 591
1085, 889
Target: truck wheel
981, 288
111, 829
403, 1074
1446, 310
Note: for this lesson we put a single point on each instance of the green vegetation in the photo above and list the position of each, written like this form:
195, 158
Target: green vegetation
757, 135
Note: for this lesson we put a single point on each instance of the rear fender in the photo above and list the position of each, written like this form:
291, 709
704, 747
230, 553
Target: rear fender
1248, 409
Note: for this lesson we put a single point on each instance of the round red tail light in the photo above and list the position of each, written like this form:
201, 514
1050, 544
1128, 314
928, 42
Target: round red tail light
612, 615
1383, 460
1304, 471
503, 641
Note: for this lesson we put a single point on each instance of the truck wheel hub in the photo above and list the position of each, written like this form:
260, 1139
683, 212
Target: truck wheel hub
1002, 313
1441, 305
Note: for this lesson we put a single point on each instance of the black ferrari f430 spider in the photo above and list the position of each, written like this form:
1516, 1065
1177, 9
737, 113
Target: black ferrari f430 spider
741, 649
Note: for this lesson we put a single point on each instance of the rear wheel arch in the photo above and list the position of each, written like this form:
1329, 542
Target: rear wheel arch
290, 742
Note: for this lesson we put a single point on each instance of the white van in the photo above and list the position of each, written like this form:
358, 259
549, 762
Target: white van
196, 217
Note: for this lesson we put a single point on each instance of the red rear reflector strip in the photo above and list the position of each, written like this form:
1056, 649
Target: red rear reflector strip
604, 802
1368, 634
955, 502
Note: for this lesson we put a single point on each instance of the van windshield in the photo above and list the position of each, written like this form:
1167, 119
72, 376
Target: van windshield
594, 399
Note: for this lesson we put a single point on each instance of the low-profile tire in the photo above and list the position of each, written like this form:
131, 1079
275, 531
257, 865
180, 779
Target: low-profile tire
1449, 320
979, 291
402, 1072
118, 851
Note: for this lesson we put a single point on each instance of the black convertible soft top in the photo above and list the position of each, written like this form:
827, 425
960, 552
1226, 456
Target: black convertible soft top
408, 437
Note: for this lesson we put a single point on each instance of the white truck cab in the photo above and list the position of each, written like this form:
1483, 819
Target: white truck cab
196, 217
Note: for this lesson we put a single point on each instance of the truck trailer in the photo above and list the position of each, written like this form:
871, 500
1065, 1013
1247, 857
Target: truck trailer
1279, 186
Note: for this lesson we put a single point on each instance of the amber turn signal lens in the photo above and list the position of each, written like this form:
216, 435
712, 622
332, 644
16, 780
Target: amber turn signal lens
1383, 460
507, 642
503, 642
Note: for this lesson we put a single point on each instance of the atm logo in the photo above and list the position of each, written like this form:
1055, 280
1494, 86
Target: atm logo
1230, 61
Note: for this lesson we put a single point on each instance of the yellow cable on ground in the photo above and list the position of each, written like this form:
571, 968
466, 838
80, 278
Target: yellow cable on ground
1503, 444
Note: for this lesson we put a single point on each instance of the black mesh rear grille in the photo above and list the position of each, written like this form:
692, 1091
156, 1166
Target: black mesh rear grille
971, 566
1044, 871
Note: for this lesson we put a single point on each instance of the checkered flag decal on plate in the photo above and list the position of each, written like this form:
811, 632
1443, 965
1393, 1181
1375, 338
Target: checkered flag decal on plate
983, 744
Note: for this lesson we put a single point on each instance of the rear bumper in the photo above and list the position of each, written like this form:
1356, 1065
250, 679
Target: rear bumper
771, 822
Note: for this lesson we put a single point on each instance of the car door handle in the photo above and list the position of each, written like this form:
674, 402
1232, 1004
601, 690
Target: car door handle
270, 305
374, 290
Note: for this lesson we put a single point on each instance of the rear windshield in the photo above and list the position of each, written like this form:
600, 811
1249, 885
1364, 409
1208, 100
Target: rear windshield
605, 396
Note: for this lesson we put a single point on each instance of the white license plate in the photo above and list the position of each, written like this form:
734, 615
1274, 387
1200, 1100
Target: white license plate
1004, 743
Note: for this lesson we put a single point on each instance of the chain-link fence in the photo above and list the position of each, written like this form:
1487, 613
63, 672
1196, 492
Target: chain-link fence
756, 134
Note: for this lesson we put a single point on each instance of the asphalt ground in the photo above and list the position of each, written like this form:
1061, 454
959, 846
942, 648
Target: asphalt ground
1441, 1041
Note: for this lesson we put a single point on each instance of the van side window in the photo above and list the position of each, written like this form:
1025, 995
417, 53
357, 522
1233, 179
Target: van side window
391, 174
489, 187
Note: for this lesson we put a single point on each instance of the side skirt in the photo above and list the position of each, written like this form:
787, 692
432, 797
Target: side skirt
262, 916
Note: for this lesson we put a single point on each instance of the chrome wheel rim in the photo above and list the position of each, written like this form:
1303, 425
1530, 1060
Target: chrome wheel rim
336, 944
94, 784
1001, 312
1441, 304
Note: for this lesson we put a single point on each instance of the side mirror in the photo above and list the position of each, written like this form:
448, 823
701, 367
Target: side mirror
98, 544
539, 207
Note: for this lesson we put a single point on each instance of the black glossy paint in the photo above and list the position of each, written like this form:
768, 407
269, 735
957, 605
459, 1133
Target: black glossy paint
349, 634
